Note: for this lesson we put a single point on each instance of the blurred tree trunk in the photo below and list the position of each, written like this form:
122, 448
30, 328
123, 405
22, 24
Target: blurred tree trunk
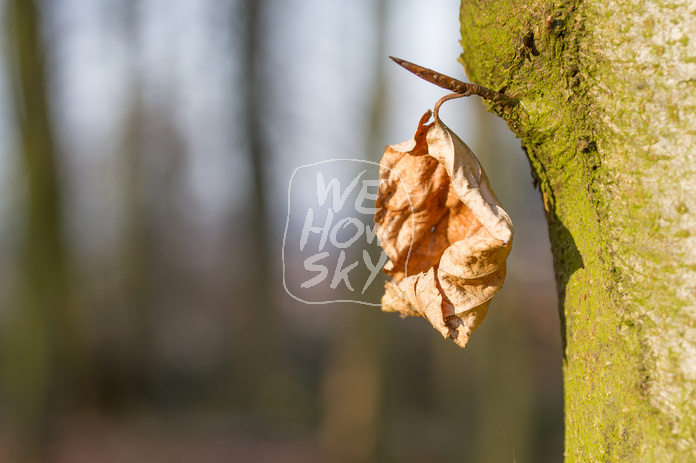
126, 374
259, 340
42, 351
124, 365
504, 422
152, 154
606, 116
353, 428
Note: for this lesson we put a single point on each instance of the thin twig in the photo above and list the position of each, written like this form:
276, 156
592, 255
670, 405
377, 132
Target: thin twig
451, 96
457, 86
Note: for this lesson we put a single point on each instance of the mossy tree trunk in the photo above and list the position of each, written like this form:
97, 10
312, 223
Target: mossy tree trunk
607, 116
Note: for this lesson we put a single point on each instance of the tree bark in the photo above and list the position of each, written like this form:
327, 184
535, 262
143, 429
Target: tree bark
607, 116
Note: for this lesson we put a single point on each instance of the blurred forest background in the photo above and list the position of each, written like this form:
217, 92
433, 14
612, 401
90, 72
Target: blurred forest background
145, 152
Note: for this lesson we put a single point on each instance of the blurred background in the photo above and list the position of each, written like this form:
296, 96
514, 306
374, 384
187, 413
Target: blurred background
146, 147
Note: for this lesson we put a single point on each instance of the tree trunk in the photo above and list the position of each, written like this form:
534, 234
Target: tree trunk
43, 356
606, 114
260, 359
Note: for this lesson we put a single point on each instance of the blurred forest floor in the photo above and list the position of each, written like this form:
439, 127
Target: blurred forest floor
90, 439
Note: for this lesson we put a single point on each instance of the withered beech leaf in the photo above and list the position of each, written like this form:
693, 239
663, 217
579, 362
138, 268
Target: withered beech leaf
447, 246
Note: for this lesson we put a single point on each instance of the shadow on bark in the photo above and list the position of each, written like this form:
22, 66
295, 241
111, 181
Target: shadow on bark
566, 256
566, 261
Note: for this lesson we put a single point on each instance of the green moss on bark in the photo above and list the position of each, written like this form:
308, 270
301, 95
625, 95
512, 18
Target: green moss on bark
608, 230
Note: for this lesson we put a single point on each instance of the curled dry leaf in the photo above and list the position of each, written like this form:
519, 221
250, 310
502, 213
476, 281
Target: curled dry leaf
443, 229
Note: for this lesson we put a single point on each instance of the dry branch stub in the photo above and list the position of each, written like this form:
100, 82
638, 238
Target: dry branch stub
461, 238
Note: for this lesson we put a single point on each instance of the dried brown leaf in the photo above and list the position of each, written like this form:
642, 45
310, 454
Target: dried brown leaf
445, 233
